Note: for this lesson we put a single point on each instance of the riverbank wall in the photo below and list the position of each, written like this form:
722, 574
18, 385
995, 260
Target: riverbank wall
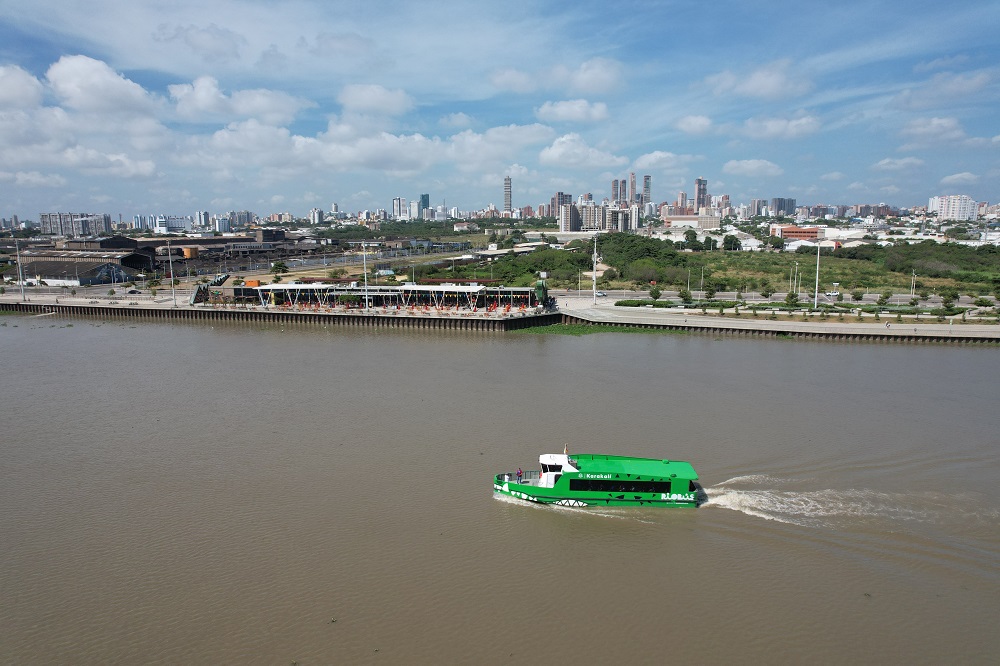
281, 316
619, 318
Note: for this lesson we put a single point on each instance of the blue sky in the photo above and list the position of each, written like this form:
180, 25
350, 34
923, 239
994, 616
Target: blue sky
150, 107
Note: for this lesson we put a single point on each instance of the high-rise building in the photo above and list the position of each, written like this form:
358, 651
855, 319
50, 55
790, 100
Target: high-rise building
953, 207
569, 217
74, 224
682, 200
399, 208
647, 187
425, 204
781, 206
614, 190
558, 201
506, 194
700, 194
632, 193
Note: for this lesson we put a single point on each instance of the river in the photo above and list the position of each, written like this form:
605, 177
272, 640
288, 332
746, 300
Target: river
259, 494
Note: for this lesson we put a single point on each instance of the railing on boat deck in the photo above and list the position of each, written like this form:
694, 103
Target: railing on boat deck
526, 477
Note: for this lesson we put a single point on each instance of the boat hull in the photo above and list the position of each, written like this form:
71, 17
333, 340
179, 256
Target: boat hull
541, 495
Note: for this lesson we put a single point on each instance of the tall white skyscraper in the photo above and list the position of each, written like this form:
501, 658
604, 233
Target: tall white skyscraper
953, 207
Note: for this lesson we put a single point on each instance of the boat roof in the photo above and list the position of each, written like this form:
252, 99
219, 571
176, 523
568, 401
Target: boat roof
603, 464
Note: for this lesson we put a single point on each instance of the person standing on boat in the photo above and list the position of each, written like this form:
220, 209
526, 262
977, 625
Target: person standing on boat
519, 473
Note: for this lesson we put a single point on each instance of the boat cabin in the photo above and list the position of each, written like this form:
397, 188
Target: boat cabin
554, 465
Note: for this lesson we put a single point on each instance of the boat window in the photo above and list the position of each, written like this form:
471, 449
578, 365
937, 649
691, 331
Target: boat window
613, 486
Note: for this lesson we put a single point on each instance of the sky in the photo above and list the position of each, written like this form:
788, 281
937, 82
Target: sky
175, 107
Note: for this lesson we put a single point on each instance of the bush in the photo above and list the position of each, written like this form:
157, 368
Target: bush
642, 302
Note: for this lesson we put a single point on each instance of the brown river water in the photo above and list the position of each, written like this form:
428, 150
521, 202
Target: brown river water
255, 494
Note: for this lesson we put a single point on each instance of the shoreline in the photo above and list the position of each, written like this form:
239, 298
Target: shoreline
606, 317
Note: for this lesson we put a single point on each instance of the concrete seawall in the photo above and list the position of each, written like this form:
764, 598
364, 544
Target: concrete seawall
750, 327
359, 319
611, 317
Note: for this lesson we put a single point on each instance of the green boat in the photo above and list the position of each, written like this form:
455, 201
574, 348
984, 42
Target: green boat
598, 480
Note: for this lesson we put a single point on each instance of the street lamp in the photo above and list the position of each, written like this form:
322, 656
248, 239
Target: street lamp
20, 272
816, 290
170, 259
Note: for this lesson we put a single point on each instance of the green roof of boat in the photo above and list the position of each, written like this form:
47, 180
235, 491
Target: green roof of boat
651, 467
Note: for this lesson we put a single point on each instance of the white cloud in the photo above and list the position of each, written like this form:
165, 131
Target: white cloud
203, 99
86, 84
212, 43
118, 165
857, 187
456, 120
576, 110
513, 80
570, 150
890, 189
33, 179
833, 176
475, 151
594, 76
964, 178
922, 131
893, 164
598, 75
694, 124
774, 80
757, 168
19, 89
664, 161
373, 98
780, 128
941, 63
943, 89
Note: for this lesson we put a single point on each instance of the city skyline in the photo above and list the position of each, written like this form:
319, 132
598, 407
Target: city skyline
129, 109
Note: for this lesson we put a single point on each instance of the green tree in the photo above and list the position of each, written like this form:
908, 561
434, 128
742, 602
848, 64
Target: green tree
278, 268
685, 296
857, 294
731, 242
792, 299
709, 292
884, 297
654, 292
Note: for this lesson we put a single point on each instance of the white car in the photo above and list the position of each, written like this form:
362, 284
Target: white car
600, 293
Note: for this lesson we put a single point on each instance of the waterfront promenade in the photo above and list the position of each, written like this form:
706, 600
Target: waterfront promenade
571, 310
